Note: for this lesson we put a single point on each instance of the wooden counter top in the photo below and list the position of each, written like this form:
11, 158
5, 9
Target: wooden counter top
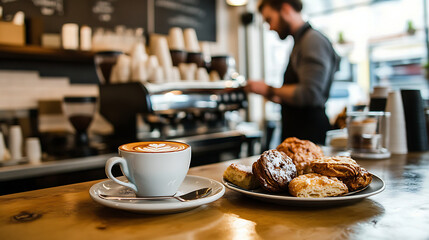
68, 212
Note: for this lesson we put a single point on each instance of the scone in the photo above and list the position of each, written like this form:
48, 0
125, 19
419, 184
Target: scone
302, 152
241, 176
313, 185
359, 181
336, 167
274, 170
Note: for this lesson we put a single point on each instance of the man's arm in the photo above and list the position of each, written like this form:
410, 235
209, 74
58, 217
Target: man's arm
277, 95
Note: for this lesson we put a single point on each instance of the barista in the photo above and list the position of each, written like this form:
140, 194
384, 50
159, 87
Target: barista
308, 76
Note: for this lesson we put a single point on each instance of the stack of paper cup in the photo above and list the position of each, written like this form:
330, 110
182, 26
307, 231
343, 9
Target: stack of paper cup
205, 49
157, 75
164, 57
138, 63
202, 75
162, 52
175, 39
214, 76
138, 54
398, 135
15, 142
33, 150
139, 72
176, 74
187, 71
123, 67
191, 40
70, 36
168, 74
151, 65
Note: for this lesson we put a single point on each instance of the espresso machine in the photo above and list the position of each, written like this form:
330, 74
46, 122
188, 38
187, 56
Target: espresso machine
192, 112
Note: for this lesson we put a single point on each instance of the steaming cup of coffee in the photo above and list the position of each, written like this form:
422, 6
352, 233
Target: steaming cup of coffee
155, 168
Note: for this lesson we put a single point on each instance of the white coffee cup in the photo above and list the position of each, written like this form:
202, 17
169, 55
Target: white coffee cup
33, 150
155, 168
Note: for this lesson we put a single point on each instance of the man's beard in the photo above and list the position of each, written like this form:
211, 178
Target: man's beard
284, 30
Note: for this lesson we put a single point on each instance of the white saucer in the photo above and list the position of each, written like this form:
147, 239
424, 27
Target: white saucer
190, 183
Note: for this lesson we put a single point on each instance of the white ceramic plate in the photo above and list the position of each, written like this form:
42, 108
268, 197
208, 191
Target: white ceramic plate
377, 185
190, 183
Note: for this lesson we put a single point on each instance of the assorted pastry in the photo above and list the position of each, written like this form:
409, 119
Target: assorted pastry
300, 168
302, 152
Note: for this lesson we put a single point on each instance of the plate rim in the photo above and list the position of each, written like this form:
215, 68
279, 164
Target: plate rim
159, 207
301, 200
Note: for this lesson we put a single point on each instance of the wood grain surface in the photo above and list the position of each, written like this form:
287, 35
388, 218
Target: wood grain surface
68, 212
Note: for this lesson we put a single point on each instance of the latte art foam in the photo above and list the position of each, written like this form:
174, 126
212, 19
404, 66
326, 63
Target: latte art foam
154, 147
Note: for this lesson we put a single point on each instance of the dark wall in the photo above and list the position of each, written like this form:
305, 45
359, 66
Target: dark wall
197, 14
52, 14
48, 16
94, 13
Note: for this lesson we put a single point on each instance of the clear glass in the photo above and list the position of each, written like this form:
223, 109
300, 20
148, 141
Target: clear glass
104, 62
368, 134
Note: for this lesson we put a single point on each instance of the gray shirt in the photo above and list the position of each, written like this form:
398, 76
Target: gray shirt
314, 62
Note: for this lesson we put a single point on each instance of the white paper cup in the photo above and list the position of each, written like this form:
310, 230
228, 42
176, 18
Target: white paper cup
124, 68
139, 72
33, 150
162, 52
175, 39
202, 75
214, 76
398, 134
191, 40
157, 75
176, 74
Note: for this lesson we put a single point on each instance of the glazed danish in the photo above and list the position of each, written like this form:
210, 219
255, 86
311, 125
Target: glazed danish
274, 170
336, 166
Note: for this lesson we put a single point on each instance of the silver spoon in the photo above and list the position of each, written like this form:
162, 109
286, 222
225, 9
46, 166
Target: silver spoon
200, 193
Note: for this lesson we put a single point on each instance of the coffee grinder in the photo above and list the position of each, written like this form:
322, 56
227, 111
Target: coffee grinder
80, 112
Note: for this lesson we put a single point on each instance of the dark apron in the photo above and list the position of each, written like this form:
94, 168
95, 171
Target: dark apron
307, 123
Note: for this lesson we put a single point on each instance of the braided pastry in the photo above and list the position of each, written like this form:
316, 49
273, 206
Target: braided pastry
314, 185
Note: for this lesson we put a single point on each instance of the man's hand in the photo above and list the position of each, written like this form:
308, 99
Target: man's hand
258, 87
277, 95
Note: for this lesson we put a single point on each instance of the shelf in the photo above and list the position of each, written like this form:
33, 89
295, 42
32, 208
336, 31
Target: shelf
45, 54
78, 66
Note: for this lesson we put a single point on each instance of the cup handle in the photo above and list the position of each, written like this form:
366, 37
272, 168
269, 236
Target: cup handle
118, 160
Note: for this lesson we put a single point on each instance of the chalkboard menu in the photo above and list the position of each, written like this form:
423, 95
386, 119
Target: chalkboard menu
94, 13
197, 14
52, 14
